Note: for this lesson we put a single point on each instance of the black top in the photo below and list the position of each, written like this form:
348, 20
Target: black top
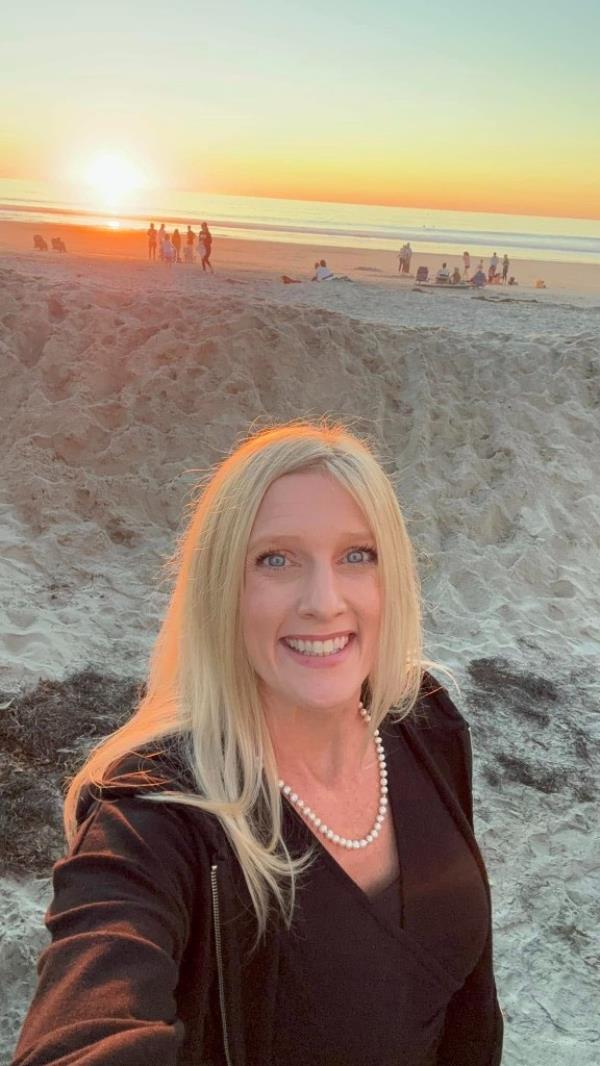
135, 975
365, 980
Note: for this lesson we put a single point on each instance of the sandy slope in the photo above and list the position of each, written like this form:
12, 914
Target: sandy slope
119, 382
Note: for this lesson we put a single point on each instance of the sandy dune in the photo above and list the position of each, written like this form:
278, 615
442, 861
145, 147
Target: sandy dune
119, 382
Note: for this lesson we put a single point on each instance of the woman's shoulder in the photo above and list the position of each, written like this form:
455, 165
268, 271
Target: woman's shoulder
158, 766
434, 708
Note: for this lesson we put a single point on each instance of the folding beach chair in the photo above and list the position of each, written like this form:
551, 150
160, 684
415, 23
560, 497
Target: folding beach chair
422, 273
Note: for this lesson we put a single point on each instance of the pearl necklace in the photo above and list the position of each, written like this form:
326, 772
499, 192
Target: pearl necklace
336, 838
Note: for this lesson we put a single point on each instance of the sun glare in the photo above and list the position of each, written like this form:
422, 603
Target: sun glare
113, 177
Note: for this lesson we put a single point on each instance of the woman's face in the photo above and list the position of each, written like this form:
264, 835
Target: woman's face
311, 572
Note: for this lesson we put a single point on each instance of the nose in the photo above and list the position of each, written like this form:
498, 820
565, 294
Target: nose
320, 595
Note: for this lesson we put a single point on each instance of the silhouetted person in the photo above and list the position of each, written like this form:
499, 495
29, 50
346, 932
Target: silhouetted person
505, 268
205, 246
151, 235
177, 245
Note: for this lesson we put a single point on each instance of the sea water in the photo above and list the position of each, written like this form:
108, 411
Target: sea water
313, 222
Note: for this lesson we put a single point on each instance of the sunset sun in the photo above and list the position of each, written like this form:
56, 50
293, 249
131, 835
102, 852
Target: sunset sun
113, 177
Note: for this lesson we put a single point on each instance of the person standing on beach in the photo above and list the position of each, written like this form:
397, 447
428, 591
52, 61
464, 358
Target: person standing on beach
162, 233
401, 256
407, 258
205, 246
466, 265
169, 251
493, 266
505, 268
151, 235
177, 244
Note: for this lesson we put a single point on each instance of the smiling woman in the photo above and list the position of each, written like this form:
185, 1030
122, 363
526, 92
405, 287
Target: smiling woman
273, 861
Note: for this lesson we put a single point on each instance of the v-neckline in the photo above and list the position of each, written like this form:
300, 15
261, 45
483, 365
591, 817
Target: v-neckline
339, 871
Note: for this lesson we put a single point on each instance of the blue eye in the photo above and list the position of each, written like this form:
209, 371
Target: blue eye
270, 555
363, 551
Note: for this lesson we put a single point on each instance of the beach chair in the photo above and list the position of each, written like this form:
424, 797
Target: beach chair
39, 243
422, 273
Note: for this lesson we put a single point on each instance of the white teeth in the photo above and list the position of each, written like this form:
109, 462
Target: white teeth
318, 647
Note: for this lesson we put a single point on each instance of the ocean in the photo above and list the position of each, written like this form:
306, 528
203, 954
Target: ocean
303, 222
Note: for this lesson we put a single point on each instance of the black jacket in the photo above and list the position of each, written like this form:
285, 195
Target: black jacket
150, 961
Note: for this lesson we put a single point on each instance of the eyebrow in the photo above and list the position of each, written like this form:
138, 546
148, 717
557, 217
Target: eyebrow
293, 538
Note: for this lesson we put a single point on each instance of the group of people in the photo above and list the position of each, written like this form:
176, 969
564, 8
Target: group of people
497, 271
494, 275
170, 246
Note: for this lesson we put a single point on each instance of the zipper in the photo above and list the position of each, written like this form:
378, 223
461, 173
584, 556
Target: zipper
219, 953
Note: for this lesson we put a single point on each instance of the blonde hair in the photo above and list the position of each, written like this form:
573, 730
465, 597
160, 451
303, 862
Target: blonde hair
201, 686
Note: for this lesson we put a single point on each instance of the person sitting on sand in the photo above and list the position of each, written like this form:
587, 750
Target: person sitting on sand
322, 271
443, 275
479, 279
151, 235
493, 267
456, 277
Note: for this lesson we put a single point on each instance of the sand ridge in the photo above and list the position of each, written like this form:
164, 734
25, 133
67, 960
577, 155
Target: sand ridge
120, 385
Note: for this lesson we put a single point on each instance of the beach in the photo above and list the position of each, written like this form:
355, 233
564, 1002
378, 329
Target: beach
276, 257
123, 381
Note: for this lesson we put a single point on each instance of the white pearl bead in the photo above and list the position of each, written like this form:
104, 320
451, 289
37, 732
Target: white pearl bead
345, 842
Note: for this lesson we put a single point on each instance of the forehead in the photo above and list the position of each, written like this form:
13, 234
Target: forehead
306, 502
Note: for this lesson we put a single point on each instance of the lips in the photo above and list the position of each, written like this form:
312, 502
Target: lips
319, 662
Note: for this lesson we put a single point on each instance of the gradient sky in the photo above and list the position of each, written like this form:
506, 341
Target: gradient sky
476, 106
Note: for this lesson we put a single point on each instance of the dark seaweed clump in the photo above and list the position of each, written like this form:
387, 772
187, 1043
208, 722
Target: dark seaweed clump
45, 734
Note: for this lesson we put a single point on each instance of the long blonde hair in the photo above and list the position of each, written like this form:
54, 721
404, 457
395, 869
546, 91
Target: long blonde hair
201, 685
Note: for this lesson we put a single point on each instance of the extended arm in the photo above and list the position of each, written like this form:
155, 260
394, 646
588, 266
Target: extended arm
119, 922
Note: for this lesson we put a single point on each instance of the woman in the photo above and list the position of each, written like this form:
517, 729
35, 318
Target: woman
205, 246
273, 861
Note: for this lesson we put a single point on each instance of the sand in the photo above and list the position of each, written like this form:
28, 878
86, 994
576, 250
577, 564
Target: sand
295, 259
121, 380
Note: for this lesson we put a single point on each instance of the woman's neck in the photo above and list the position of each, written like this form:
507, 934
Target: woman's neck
323, 747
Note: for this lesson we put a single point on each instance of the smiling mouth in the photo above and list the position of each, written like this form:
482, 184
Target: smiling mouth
320, 648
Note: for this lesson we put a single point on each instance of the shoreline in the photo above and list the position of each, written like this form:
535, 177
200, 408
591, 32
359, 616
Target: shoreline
275, 258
